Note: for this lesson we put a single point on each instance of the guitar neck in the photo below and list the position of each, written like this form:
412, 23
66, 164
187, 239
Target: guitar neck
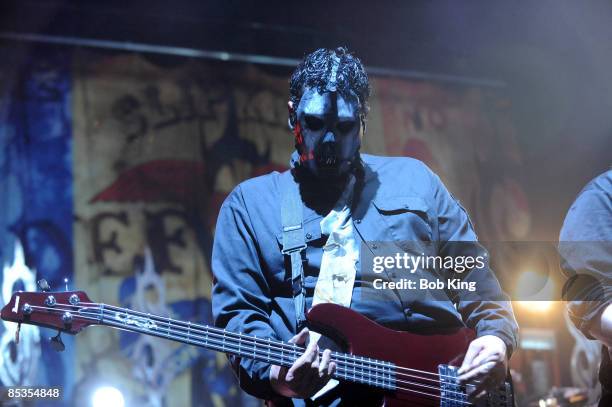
205, 336
348, 367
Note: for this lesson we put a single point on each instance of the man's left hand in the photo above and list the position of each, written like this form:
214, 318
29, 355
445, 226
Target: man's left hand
485, 364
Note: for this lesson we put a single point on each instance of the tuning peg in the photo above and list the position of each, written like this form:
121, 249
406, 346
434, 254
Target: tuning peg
44, 285
56, 342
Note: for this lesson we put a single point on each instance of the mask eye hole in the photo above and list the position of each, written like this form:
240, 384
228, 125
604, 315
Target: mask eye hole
346, 126
313, 122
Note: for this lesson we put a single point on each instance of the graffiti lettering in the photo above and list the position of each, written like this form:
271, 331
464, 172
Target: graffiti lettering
160, 238
424, 118
165, 231
100, 245
126, 110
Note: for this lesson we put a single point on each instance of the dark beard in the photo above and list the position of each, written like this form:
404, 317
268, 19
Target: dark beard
321, 192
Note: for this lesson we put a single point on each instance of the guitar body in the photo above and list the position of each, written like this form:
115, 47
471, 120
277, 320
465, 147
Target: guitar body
362, 336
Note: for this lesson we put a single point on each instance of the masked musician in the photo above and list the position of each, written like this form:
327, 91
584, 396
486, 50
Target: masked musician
347, 201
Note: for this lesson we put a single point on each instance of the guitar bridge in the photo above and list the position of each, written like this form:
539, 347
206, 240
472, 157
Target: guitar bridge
453, 394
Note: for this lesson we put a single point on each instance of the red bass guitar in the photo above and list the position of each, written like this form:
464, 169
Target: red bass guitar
400, 368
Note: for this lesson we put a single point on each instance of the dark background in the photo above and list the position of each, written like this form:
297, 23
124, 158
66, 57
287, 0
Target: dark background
554, 57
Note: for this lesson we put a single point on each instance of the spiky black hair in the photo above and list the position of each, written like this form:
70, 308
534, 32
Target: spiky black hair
315, 70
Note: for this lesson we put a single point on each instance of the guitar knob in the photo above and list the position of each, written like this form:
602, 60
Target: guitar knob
67, 318
27, 309
74, 299
50, 301
56, 343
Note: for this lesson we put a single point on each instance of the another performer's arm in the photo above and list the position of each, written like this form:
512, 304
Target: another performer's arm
601, 327
585, 248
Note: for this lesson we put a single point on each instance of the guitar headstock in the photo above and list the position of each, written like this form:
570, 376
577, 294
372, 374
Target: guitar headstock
66, 311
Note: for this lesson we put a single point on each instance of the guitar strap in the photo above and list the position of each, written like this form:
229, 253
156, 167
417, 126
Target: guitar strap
294, 242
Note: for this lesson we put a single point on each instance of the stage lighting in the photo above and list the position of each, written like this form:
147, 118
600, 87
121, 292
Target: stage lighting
535, 288
536, 306
107, 396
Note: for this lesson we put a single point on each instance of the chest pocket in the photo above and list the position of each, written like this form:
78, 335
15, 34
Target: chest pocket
406, 217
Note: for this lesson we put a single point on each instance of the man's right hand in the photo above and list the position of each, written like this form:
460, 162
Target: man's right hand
307, 375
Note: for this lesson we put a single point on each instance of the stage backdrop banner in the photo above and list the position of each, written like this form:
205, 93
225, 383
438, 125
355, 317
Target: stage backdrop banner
148, 149
36, 216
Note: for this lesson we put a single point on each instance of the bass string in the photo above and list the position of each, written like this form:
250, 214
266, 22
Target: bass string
273, 359
355, 361
350, 358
